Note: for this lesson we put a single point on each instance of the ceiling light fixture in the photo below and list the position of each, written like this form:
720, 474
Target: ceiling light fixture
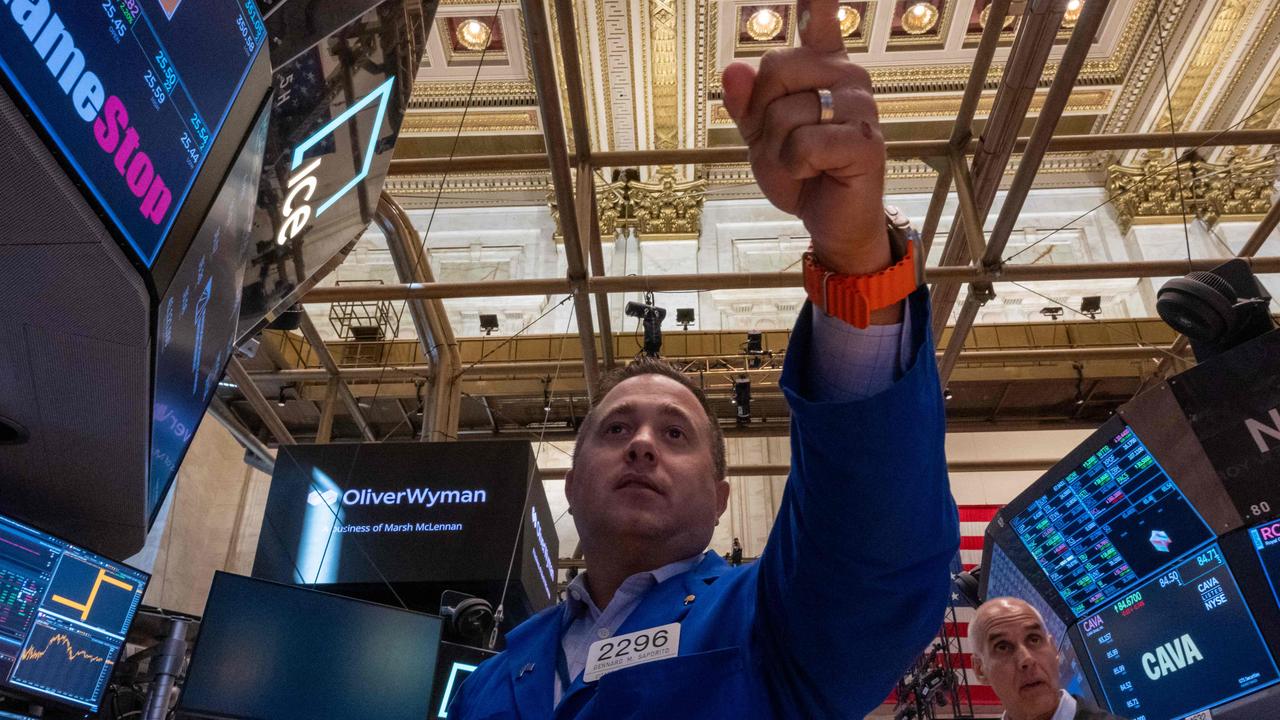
1073, 13
919, 18
850, 20
474, 34
764, 24
985, 15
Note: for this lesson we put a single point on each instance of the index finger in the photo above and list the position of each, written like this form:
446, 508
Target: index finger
819, 25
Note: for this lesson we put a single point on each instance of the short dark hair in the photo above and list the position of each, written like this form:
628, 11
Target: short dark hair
656, 366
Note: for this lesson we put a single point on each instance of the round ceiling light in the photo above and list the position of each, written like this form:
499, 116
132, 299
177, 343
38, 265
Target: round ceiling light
1073, 13
985, 15
919, 18
849, 18
474, 34
764, 24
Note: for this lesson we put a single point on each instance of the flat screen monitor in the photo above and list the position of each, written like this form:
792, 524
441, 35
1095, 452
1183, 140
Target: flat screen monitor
457, 662
275, 651
64, 614
1266, 542
1181, 642
132, 93
1104, 518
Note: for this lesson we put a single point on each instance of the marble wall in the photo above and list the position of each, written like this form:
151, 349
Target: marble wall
210, 522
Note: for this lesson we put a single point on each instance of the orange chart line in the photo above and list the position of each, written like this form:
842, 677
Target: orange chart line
65, 642
87, 605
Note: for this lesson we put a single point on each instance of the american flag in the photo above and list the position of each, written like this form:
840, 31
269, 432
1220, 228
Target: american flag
973, 522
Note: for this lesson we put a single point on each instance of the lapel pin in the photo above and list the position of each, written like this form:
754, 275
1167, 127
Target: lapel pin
528, 668
688, 599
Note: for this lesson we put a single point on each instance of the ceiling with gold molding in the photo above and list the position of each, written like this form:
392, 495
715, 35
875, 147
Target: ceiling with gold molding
652, 74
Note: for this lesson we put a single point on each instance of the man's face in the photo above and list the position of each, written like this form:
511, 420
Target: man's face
1020, 662
644, 470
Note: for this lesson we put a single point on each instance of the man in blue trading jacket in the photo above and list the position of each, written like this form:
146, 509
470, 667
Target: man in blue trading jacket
852, 583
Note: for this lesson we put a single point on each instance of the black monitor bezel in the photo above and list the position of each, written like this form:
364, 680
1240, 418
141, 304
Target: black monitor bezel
24, 692
182, 710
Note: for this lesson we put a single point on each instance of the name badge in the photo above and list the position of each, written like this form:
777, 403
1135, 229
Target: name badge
637, 648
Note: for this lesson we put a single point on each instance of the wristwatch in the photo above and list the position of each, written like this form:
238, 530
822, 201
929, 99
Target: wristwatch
853, 298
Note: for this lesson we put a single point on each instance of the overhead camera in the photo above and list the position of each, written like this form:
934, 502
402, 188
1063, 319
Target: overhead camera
1216, 309
467, 618
651, 317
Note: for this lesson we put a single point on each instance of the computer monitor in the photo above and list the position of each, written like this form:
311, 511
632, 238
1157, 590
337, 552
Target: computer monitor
1105, 518
456, 664
267, 650
64, 614
1181, 642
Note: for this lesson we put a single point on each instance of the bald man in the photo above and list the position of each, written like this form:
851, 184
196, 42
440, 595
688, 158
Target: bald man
1016, 655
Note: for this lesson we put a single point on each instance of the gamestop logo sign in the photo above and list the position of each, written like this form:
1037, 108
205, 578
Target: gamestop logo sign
68, 67
425, 497
303, 182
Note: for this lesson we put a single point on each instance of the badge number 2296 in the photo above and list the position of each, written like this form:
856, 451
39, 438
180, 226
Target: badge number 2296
637, 648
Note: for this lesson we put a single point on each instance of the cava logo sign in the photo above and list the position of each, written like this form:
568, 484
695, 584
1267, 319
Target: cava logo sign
303, 182
1171, 657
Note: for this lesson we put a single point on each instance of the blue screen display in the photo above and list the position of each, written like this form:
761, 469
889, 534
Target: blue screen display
132, 92
1108, 523
1179, 643
199, 315
1266, 541
64, 613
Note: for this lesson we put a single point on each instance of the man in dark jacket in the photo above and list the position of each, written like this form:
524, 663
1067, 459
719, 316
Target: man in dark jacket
1015, 654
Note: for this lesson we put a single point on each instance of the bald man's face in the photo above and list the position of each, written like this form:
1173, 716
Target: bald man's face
1019, 659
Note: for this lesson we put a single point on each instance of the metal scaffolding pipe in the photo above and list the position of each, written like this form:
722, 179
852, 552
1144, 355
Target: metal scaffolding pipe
585, 193
1018, 83
548, 87
1263, 231
1046, 122
896, 150
220, 412
737, 281
1029, 164
441, 409
968, 312
266, 413
325, 357
541, 368
1032, 464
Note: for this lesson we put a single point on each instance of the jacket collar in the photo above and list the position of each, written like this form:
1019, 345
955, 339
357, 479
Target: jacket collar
666, 602
533, 645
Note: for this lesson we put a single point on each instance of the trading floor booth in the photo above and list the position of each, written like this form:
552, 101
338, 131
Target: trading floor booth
1153, 549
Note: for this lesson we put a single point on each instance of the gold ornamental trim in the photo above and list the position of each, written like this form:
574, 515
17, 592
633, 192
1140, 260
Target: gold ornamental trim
1157, 191
912, 108
473, 121
1206, 65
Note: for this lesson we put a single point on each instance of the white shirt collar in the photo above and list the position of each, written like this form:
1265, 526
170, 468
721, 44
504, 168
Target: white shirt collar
1066, 708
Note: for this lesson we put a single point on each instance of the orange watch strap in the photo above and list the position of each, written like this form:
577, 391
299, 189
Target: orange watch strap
853, 298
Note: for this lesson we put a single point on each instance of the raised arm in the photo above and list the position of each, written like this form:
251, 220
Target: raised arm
852, 583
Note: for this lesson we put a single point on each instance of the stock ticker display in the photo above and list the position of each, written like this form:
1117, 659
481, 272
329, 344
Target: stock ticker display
64, 613
132, 93
1266, 542
1108, 523
1179, 643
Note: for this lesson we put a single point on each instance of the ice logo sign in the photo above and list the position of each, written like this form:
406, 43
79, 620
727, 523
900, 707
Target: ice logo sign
322, 498
301, 188
1160, 540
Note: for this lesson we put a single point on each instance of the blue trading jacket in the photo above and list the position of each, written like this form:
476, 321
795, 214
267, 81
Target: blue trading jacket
850, 588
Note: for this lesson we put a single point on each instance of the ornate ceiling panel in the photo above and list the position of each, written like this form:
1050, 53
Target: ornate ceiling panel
652, 70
